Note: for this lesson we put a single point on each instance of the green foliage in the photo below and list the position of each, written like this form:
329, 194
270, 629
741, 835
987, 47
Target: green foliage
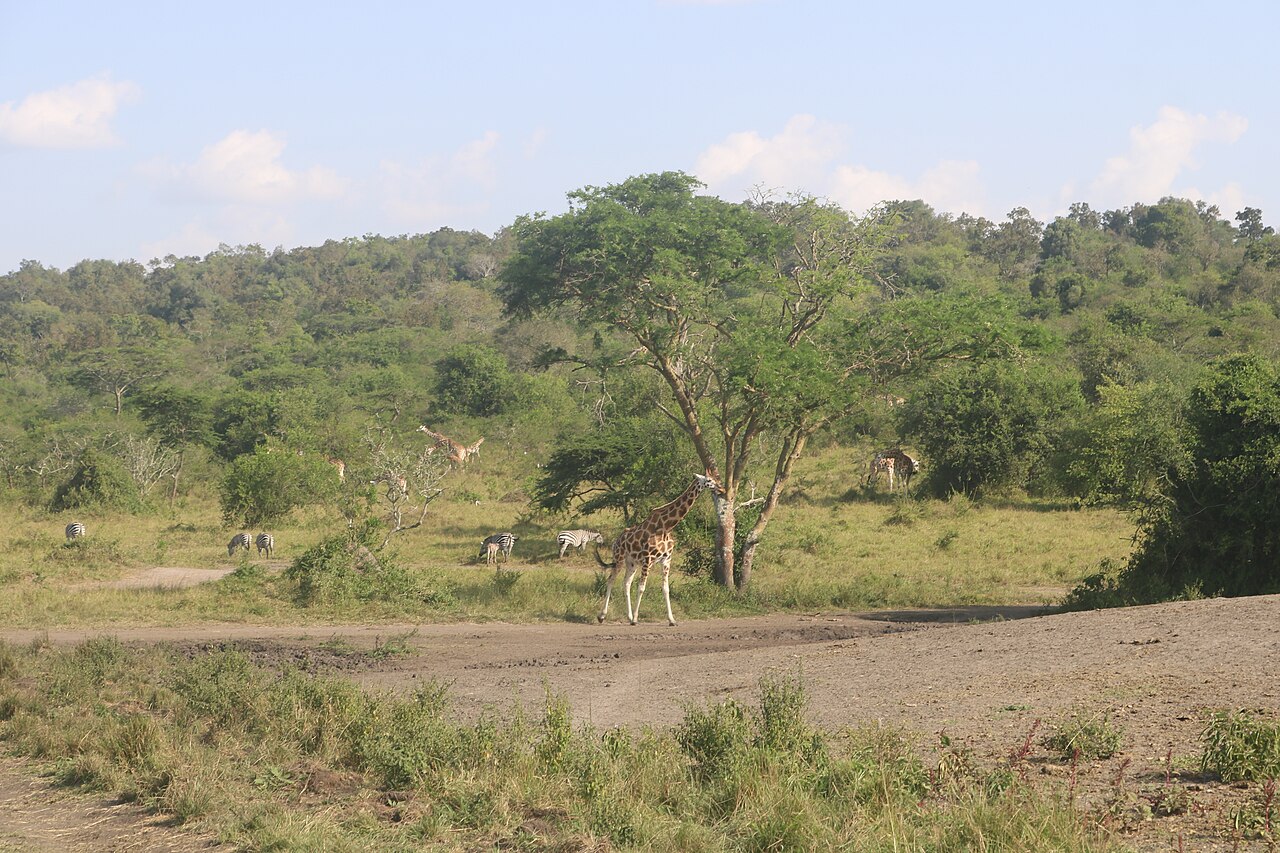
1088, 739
623, 464
1127, 444
351, 566
1219, 531
1239, 747
263, 487
990, 427
97, 481
473, 380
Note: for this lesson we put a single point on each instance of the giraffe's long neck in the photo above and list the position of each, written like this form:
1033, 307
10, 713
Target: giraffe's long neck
668, 515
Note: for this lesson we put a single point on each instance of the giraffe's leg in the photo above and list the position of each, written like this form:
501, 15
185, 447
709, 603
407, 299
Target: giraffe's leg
666, 589
644, 578
608, 589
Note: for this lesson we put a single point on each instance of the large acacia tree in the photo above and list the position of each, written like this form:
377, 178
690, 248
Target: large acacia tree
729, 303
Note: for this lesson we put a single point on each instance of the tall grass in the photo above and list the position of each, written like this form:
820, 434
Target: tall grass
830, 546
279, 760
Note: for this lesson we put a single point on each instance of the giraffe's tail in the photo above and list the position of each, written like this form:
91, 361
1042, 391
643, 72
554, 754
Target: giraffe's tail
603, 564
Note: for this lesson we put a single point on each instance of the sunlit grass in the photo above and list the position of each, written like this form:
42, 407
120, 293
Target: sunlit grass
834, 546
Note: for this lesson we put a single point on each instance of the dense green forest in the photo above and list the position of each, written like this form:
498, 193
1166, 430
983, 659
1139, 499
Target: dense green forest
607, 353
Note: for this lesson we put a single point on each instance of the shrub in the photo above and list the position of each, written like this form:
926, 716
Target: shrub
1088, 739
349, 567
990, 427
98, 481
1241, 748
265, 486
1217, 529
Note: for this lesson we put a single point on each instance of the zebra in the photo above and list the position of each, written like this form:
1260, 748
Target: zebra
240, 540
490, 547
577, 539
265, 542
75, 530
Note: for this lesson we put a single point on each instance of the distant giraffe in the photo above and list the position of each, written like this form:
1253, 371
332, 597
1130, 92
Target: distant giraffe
648, 543
893, 462
340, 467
457, 452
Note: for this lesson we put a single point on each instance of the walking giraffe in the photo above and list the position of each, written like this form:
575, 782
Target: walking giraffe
648, 543
457, 452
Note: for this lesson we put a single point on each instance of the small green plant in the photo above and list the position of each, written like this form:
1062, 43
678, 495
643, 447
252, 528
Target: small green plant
906, 511
944, 541
1088, 739
504, 580
1240, 747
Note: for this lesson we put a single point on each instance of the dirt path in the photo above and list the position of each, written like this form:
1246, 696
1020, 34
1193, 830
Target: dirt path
1156, 672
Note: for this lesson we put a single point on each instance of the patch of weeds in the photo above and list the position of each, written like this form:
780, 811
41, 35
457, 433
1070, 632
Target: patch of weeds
1257, 817
504, 580
944, 541
959, 503
906, 511
1088, 739
1169, 799
396, 645
1241, 748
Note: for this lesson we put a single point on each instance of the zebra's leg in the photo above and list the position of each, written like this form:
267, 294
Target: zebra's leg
666, 589
608, 590
564, 546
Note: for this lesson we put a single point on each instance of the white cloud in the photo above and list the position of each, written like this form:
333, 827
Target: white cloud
234, 225
811, 156
952, 186
245, 167
798, 158
443, 187
74, 116
1159, 153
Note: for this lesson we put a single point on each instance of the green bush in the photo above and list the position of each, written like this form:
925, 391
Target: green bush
475, 380
263, 487
98, 481
349, 567
1241, 748
992, 426
1217, 529
1088, 739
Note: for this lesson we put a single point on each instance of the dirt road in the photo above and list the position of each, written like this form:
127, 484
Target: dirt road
1157, 672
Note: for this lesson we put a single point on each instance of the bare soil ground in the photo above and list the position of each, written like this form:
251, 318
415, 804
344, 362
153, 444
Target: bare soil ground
990, 679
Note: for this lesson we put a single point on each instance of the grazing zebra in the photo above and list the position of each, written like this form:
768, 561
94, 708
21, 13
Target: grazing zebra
503, 542
577, 539
894, 463
265, 542
240, 540
75, 530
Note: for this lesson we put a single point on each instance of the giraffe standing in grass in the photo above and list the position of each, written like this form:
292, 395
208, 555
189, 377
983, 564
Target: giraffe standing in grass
457, 452
649, 543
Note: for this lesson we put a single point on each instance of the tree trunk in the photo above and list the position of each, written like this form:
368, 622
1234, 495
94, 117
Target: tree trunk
119, 392
790, 452
726, 529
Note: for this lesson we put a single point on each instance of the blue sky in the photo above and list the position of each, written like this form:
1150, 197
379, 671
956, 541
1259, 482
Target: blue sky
139, 130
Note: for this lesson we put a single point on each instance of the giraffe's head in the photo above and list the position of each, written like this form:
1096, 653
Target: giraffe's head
706, 481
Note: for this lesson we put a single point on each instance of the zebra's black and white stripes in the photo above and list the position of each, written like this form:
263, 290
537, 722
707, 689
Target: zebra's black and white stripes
75, 530
265, 542
238, 542
498, 542
577, 539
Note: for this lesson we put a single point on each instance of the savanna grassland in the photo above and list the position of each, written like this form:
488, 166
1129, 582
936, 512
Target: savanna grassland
1095, 400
